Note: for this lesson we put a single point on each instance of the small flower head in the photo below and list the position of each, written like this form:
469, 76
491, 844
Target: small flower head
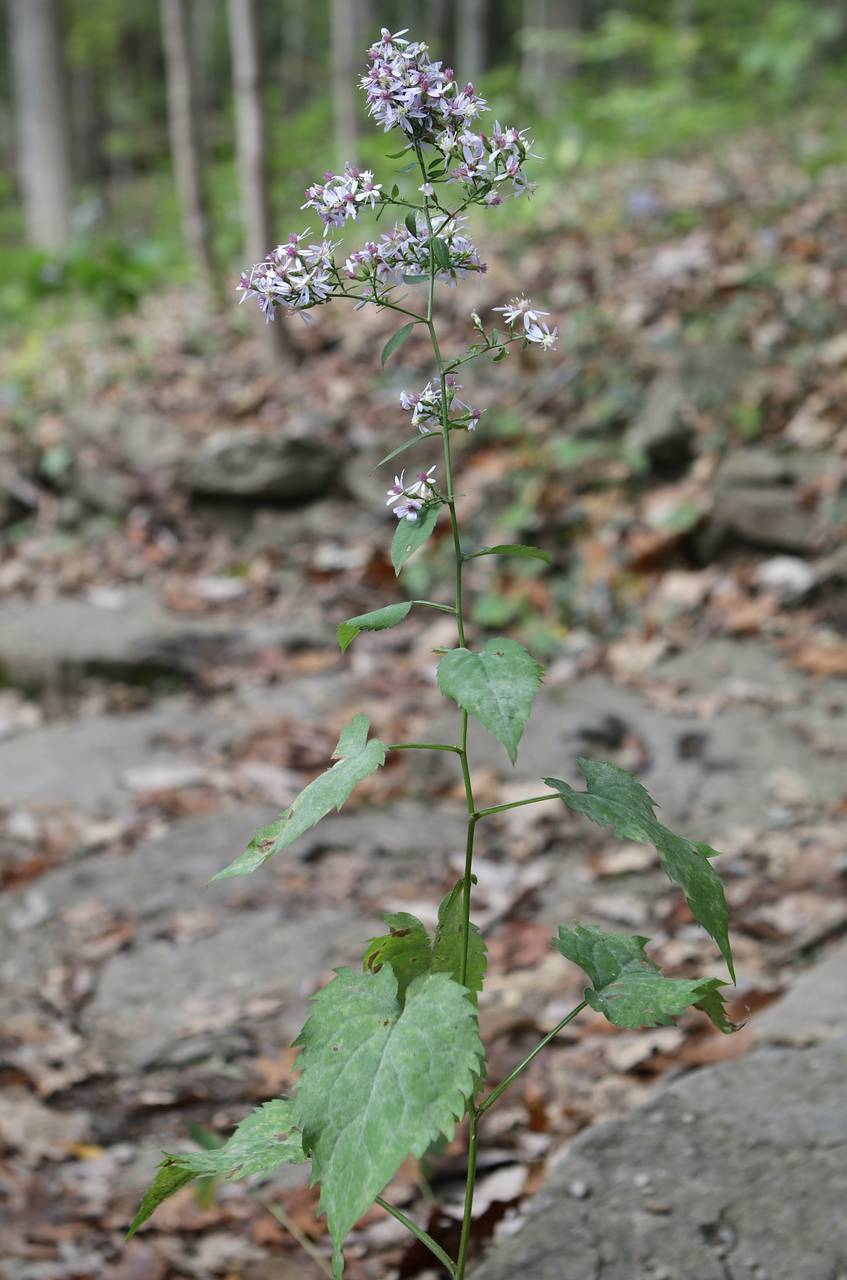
408, 500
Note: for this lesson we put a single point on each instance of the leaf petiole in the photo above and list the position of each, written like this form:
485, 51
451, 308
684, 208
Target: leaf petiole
522, 1066
515, 804
419, 1234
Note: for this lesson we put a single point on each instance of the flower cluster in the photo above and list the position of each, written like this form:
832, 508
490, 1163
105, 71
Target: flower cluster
401, 253
407, 90
485, 162
340, 196
521, 313
425, 407
409, 499
293, 275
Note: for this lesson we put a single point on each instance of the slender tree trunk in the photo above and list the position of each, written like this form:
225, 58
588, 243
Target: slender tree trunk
251, 152
546, 62
185, 136
471, 16
43, 141
345, 63
438, 32
295, 52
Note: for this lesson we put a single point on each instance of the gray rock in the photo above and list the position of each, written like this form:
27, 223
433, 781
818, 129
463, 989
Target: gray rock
762, 499
244, 463
735, 1170
136, 640
815, 1007
660, 434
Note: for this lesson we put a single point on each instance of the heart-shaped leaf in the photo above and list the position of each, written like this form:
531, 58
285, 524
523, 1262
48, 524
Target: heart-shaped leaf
496, 686
381, 1081
614, 798
628, 988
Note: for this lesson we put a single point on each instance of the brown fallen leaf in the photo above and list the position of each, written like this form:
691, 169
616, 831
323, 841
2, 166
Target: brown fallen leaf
821, 657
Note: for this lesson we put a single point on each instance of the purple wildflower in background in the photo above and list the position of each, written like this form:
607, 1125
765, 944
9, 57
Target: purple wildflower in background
521, 311
340, 196
425, 407
293, 275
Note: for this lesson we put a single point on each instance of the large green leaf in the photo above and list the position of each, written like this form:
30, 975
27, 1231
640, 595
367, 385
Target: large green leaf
411, 534
614, 798
357, 758
629, 988
410, 950
496, 686
268, 1137
377, 620
381, 1081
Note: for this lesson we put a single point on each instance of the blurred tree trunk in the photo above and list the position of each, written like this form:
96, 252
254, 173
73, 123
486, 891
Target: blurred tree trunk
438, 29
295, 52
546, 62
251, 153
43, 141
185, 136
346, 62
471, 17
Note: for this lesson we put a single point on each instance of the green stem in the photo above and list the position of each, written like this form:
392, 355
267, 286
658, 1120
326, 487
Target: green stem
467, 885
464, 1241
419, 1234
522, 1066
516, 804
423, 746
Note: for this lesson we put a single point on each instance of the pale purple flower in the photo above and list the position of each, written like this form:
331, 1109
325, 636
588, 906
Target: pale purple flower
425, 407
294, 275
409, 499
521, 309
339, 197
398, 253
406, 90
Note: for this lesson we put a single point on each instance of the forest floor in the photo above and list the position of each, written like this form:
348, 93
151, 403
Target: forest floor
169, 679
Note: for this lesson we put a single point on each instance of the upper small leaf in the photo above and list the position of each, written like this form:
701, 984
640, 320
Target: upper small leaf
629, 989
448, 941
401, 448
496, 686
396, 340
377, 620
268, 1137
441, 254
411, 534
407, 948
381, 1081
511, 549
357, 758
614, 798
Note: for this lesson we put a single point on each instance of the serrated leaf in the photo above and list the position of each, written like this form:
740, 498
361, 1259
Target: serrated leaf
357, 758
629, 988
407, 948
447, 943
168, 1180
411, 222
401, 448
614, 798
511, 549
270, 1136
496, 686
396, 340
376, 620
441, 253
381, 1082
410, 535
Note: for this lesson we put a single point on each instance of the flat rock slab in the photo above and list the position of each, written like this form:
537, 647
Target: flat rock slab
814, 1009
735, 1172
135, 639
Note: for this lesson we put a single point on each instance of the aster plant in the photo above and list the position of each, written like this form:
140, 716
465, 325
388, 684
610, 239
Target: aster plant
391, 1057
